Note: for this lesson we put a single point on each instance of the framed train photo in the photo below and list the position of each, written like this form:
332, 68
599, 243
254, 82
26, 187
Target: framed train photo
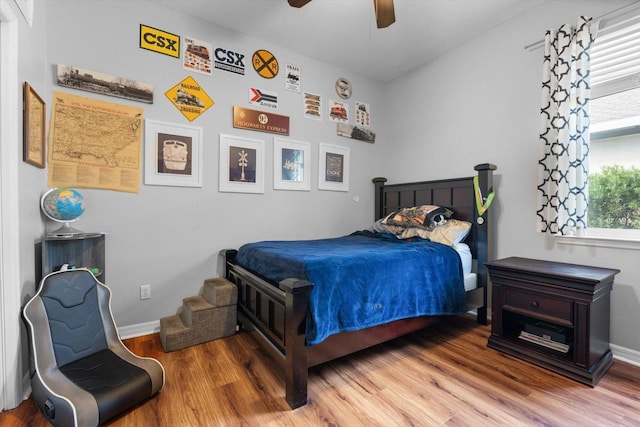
173, 154
96, 82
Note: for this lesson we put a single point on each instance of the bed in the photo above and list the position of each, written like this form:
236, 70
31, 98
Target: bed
281, 308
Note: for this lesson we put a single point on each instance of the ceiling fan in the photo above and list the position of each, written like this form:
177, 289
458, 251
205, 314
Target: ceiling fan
385, 14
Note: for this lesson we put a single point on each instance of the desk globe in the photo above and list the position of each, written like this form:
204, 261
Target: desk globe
63, 205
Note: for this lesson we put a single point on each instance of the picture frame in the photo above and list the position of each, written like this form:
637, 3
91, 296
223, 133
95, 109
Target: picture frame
104, 84
333, 167
172, 154
291, 165
241, 164
34, 149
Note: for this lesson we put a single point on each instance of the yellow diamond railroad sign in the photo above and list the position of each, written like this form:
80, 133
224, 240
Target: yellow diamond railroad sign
265, 63
189, 98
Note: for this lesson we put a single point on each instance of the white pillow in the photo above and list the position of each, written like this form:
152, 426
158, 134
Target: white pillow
452, 232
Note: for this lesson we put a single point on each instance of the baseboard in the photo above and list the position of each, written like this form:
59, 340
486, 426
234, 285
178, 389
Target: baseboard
138, 330
626, 355
131, 331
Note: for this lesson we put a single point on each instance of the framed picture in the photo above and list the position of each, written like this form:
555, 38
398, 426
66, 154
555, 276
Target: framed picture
34, 147
333, 168
104, 84
291, 165
241, 164
173, 154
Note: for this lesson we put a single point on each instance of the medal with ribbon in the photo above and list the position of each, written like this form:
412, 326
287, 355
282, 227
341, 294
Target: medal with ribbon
482, 204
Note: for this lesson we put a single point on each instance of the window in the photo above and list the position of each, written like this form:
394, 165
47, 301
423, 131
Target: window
614, 155
614, 161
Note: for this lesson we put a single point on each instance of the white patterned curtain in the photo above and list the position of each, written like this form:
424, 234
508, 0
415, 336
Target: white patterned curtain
564, 136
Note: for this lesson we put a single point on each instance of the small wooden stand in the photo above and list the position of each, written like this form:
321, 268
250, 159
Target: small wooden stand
573, 297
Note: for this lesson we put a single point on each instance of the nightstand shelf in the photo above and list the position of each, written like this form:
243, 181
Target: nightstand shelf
574, 299
516, 324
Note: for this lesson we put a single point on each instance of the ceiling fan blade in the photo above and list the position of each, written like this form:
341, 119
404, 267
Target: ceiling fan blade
385, 14
298, 3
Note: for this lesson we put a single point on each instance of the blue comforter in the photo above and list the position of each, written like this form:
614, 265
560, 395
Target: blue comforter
364, 279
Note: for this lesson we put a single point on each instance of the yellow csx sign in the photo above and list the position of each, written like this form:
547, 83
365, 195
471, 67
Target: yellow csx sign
159, 41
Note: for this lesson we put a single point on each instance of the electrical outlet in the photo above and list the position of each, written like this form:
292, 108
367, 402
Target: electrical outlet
145, 291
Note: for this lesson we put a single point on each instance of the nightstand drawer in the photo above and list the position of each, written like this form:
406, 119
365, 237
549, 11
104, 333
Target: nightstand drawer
535, 304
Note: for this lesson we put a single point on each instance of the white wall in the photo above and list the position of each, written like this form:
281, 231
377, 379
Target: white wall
170, 237
480, 103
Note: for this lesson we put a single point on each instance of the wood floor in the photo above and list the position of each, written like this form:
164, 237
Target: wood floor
443, 375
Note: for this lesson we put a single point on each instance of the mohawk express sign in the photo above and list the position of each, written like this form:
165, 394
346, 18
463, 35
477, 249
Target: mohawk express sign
261, 121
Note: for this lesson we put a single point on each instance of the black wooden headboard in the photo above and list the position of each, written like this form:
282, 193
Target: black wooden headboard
458, 194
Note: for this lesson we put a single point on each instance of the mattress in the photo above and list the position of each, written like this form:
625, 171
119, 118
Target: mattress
470, 278
470, 281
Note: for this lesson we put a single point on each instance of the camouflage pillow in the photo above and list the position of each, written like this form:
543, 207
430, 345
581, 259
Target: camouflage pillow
426, 217
449, 233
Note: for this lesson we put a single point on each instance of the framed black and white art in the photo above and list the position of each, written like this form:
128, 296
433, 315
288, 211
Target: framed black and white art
333, 166
241, 164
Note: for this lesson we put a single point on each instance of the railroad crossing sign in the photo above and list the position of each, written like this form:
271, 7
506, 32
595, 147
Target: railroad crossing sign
265, 63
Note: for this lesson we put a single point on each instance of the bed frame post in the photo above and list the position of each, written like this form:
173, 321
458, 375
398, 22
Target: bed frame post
296, 362
485, 238
379, 206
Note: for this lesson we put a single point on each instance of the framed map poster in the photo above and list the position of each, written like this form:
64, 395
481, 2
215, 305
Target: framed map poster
94, 144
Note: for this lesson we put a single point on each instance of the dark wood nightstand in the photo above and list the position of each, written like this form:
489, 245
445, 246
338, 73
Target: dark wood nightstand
563, 310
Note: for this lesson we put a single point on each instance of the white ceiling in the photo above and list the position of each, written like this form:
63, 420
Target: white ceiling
344, 33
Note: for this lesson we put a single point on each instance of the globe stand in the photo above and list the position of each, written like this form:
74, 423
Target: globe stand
66, 231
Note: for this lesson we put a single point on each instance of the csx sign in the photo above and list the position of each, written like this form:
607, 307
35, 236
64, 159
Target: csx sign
159, 41
228, 60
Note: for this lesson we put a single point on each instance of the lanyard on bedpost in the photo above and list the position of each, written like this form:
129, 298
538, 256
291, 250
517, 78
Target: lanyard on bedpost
482, 207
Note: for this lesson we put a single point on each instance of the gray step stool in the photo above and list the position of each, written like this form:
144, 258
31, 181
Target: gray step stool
203, 318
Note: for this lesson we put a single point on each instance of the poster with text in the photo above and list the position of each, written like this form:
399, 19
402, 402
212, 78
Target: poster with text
197, 55
292, 78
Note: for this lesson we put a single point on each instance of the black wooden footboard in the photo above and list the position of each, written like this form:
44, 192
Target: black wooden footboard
277, 314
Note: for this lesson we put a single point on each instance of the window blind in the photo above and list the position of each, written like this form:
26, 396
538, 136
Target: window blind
615, 55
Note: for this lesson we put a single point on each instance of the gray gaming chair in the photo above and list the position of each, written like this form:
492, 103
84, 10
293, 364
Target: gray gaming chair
83, 374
